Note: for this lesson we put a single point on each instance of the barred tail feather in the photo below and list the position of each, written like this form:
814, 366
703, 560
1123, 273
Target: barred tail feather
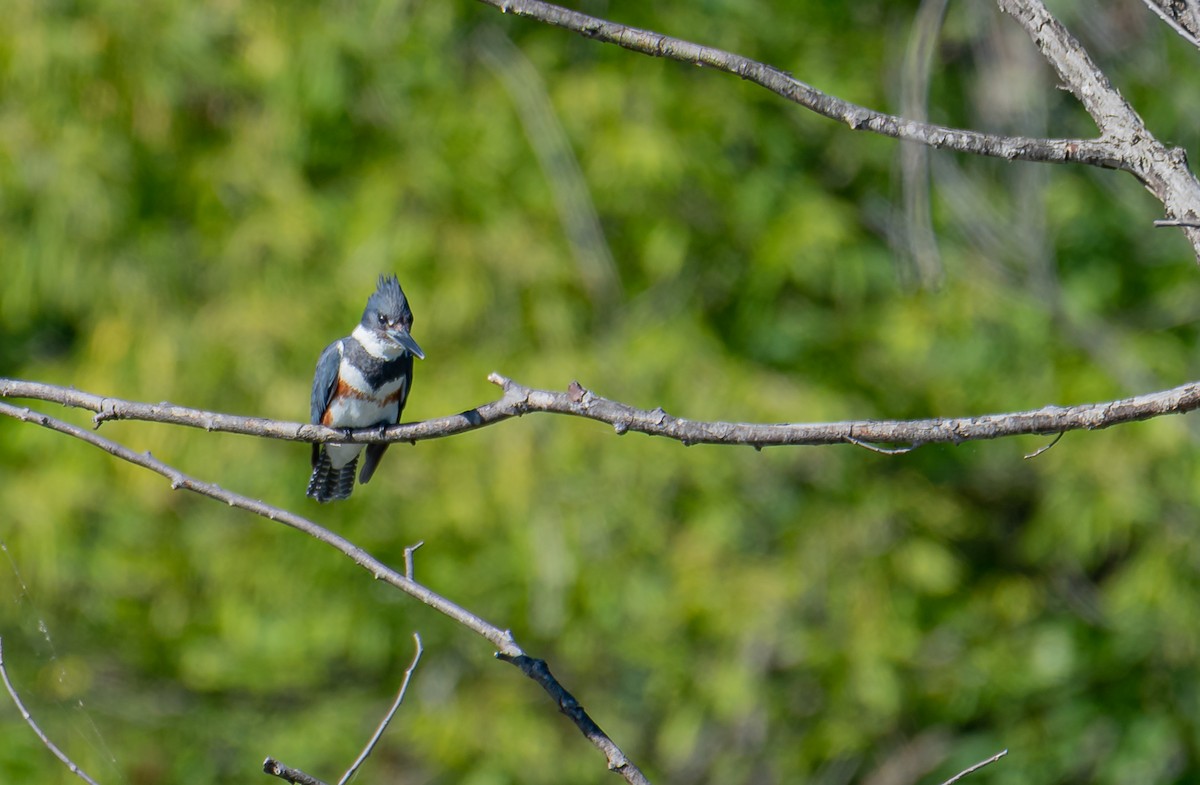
328, 483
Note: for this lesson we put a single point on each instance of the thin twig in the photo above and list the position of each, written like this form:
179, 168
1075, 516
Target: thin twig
12, 691
975, 768
502, 639
288, 774
1183, 17
519, 400
1173, 222
1043, 448
881, 450
408, 559
387, 717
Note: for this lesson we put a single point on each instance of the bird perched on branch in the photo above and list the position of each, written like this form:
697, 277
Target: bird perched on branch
362, 380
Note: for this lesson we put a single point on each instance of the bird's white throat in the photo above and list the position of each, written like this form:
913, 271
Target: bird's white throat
376, 346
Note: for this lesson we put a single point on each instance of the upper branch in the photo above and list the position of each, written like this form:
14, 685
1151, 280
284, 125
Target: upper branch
1163, 170
1124, 144
1095, 152
579, 402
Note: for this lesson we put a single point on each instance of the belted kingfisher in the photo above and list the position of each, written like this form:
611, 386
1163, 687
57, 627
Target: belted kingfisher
362, 380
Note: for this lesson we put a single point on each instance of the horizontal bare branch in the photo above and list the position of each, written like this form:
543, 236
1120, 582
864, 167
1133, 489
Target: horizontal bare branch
507, 648
1094, 152
518, 400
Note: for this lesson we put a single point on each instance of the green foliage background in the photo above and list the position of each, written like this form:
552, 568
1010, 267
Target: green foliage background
195, 197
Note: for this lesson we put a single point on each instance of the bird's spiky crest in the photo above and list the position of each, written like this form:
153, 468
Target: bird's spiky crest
389, 300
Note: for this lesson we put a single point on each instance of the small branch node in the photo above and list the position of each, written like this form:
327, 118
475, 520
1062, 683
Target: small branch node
408, 560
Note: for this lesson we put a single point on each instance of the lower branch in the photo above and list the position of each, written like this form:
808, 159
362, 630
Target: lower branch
502, 639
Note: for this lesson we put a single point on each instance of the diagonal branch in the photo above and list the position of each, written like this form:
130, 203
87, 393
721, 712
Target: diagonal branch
518, 400
387, 718
1183, 16
62, 756
976, 767
1164, 171
1094, 152
1124, 144
503, 640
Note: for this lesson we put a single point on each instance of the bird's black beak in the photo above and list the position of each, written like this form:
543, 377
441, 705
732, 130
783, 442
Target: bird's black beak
402, 337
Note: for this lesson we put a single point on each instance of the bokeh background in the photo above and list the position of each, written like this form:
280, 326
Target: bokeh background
195, 197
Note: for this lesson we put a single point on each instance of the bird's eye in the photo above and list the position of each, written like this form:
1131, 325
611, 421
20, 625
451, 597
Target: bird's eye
382, 319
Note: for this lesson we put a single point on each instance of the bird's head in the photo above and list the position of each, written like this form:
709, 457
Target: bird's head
388, 317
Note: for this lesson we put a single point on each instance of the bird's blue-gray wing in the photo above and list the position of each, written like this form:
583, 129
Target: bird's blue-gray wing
324, 385
325, 380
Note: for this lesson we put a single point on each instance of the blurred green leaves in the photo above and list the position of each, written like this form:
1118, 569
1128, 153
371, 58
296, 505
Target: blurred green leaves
196, 198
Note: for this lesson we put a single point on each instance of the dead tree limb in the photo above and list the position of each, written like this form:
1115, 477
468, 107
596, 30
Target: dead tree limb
577, 401
506, 645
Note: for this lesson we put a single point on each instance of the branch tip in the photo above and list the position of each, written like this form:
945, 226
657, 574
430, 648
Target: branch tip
976, 767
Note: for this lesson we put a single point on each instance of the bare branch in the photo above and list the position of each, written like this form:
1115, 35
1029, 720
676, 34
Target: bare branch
1124, 144
503, 640
12, 691
392, 711
975, 768
580, 402
288, 774
1095, 152
1162, 170
1183, 16
538, 671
